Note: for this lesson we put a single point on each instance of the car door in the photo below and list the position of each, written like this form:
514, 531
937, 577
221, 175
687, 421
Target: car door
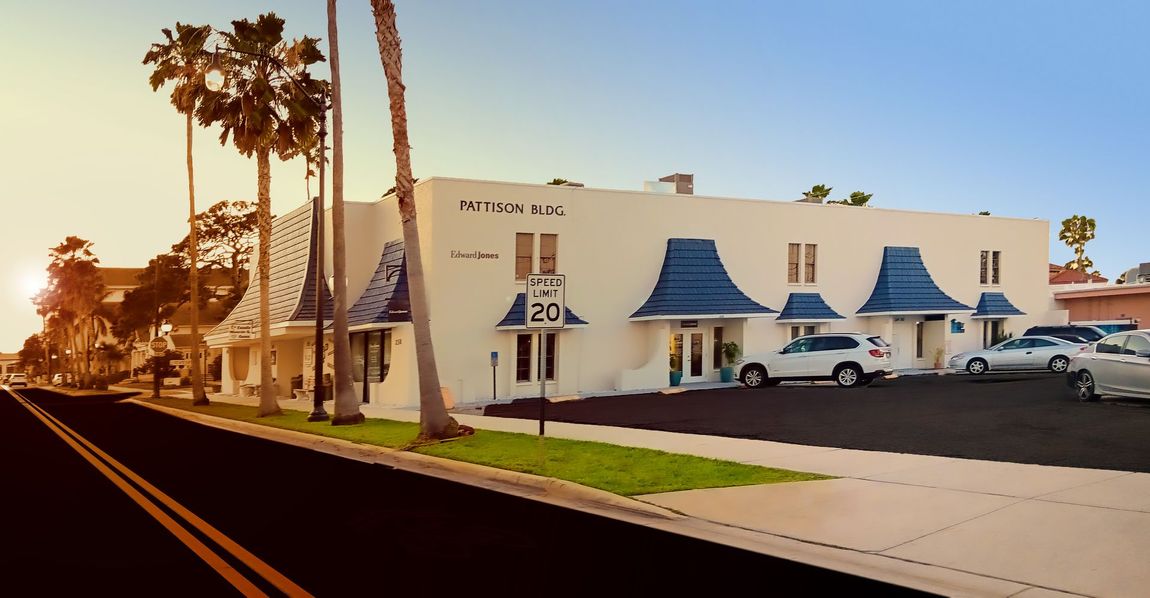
831, 351
1104, 366
1132, 372
1043, 350
1011, 355
793, 360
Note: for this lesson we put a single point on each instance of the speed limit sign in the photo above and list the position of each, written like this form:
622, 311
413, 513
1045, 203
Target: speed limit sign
546, 303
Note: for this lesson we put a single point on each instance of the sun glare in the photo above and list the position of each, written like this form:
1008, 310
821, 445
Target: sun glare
33, 282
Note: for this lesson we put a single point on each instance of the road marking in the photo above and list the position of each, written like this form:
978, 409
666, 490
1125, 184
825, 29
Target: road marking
70, 436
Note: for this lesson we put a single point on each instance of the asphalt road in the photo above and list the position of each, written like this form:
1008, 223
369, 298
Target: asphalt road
335, 527
1017, 417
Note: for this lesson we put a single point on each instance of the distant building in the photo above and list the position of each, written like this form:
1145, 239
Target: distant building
1064, 275
8, 363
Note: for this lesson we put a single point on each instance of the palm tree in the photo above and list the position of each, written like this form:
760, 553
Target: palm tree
183, 60
1076, 232
434, 422
267, 105
73, 295
346, 405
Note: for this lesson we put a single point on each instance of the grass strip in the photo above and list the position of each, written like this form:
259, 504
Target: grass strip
621, 470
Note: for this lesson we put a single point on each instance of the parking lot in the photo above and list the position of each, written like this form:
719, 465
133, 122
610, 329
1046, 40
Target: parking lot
1018, 417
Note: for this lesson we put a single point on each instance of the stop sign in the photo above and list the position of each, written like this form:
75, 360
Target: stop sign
158, 345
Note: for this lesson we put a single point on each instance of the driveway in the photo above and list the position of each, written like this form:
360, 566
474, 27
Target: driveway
1021, 418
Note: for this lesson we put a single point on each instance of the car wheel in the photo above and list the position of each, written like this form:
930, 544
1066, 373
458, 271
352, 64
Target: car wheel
1059, 363
848, 375
976, 366
755, 376
1084, 387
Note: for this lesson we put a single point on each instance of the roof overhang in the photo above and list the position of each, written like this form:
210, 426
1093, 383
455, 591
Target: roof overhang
526, 329
807, 320
703, 317
995, 316
917, 313
282, 331
376, 326
1110, 291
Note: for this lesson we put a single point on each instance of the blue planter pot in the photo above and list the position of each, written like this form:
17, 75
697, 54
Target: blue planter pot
676, 378
727, 374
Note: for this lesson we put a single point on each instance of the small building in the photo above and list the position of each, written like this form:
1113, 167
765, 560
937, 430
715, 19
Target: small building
653, 277
9, 363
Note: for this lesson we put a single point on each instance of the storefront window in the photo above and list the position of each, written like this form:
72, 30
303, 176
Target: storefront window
550, 348
357, 342
524, 243
717, 348
371, 355
548, 254
375, 356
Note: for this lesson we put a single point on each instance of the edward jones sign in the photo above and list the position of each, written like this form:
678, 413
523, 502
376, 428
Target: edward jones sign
506, 207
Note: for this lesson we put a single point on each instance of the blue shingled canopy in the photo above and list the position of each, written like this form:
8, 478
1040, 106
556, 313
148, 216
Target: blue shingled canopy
386, 299
516, 318
807, 307
995, 305
904, 286
694, 284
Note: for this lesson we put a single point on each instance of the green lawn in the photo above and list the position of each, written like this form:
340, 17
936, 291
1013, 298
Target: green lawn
617, 469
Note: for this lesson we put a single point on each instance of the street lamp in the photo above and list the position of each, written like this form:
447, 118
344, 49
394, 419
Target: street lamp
214, 79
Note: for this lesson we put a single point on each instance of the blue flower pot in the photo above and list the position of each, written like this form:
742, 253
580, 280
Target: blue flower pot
676, 378
727, 374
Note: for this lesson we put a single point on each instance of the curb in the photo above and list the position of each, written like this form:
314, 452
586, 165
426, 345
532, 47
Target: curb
512, 482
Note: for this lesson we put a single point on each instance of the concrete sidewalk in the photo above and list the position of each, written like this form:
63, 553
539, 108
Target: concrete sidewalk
962, 527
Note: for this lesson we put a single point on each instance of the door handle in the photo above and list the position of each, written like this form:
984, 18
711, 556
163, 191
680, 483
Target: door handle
1030, 352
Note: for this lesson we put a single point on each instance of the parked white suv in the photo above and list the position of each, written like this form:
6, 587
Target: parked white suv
18, 380
848, 358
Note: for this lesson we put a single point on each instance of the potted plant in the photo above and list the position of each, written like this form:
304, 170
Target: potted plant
731, 352
676, 370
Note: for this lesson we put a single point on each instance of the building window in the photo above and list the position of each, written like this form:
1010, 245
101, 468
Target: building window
524, 245
801, 263
989, 267
797, 331
523, 357
809, 264
526, 361
918, 340
793, 263
717, 348
548, 253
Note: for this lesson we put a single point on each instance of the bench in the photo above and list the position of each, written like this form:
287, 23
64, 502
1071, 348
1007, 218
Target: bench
249, 390
301, 393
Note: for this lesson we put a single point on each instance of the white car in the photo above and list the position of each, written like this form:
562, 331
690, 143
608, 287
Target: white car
18, 380
848, 358
1023, 353
1118, 365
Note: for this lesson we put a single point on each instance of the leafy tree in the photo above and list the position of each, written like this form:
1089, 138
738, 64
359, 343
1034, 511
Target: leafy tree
819, 192
346, 404
1076, 232
264, 111
434, 421
183, 59
858, 198
558, 181
162, 289
72, 297
227, 234
31, 357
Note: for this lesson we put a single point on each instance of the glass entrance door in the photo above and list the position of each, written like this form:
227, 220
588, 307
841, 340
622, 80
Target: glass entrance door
687, 355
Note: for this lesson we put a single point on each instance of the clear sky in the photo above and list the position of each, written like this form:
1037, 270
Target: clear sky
1027, 108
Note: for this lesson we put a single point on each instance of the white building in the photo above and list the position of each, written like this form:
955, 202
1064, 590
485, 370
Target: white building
648, 274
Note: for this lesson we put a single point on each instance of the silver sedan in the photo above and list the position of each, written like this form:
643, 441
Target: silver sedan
1118, 365
1023, 353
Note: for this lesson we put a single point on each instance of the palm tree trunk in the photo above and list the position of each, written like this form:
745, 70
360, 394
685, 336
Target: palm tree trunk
346, 404
434, 422
199, 397
268, 404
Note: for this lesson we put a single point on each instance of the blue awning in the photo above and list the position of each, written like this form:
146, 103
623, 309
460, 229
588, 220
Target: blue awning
386, 299
694, 284
995, 305
516, 318
905, 287
807, 307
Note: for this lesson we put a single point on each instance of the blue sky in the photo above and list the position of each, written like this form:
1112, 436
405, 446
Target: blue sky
1024, 108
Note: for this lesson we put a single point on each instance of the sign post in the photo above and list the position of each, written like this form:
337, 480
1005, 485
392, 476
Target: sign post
494, 364
545, 308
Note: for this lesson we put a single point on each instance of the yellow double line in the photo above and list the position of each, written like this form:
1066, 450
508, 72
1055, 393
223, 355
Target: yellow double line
119, 475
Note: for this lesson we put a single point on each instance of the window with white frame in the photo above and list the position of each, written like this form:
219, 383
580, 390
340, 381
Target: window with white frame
527, 357
525, 252
801, 263
990, 268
